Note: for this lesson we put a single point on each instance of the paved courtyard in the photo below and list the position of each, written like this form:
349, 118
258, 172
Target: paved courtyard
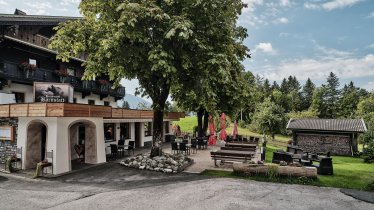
112, 186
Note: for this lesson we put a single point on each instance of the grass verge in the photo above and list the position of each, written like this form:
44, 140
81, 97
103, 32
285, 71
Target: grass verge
349, 172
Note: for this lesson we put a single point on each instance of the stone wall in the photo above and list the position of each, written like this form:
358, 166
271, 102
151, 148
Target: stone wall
335, 144
8, 148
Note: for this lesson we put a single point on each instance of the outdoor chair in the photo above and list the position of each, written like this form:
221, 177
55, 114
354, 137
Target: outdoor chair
251, 139
325, 166
131, 147
174, 147
185, 141
113, 151
228, 139
49, 155
281, 156
121, 147
183, 148
194, 145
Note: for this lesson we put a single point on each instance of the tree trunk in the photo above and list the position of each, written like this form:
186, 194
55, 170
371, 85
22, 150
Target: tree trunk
200, 114
158, 118
206, 121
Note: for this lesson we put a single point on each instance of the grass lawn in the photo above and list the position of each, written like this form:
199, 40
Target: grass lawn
349, 172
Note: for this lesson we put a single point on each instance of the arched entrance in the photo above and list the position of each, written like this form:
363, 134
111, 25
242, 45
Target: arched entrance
82, 144
36, 143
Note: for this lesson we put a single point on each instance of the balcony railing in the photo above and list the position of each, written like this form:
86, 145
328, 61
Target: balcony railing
78, 110
11, 71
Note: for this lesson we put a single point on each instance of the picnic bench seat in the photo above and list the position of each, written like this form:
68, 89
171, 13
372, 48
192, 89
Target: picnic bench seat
246, 145
240, 148
231, 155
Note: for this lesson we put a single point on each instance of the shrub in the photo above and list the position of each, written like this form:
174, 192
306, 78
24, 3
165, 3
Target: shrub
368, 155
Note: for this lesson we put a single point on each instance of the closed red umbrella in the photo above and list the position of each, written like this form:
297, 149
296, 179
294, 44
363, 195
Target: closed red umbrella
235, 131
223, 134
212, 139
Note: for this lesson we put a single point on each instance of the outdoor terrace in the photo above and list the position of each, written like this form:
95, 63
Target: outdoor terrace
78, 110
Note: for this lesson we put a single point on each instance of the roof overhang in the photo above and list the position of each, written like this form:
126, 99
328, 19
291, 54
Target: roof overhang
37, 47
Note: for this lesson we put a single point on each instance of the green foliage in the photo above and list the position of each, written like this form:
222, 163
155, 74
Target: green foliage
269, 118
307, 94
178, 47
332, 95
8, 164
311, 113
370, 187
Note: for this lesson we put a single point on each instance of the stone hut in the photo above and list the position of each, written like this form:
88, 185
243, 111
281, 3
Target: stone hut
337, 136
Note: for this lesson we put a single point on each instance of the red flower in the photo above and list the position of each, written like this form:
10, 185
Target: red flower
103, 81
26, 66
61, 73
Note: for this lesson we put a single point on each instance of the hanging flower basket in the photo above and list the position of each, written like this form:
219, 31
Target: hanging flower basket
29, 69
62, 73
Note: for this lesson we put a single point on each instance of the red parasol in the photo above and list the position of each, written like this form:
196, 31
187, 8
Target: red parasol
223, 134
235, 131
212, 139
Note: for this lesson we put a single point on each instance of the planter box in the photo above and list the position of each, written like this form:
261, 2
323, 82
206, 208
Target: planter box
310, 172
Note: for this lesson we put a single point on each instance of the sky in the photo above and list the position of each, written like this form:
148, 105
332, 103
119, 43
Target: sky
304, 38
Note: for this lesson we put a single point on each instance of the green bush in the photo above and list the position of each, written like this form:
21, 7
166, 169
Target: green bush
370, 187
368, 155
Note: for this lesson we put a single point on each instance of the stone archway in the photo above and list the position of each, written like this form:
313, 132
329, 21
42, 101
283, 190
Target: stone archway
36, 143
89, 142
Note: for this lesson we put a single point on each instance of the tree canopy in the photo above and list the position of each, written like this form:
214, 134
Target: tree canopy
168, 45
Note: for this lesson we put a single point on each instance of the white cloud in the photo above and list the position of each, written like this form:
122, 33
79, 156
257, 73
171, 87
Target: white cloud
311, 5
369, 86
282, 20
285, 3
371, 15
370, 46
38, 8
2, 2
331, 5
345, 68
68, 2
265, 47
339, 4
251, 5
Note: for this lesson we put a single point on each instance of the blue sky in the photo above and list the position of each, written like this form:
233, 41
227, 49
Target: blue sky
305, 38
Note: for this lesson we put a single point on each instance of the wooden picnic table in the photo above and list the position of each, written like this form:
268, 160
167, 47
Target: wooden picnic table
240, 145
224, 155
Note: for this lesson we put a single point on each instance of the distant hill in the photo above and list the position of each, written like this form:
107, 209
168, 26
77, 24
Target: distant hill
133, 101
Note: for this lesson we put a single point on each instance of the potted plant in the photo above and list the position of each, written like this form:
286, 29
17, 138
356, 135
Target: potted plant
103, 84
29, 69
62, 73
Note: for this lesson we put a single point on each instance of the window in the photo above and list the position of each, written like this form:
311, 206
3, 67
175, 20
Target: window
91, 102
70, 71
109, 131
125, 131
148, 129
106, 103
20, 97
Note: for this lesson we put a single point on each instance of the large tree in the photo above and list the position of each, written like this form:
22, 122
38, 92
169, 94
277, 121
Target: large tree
269, 118
162, 43
307, 94
332, 95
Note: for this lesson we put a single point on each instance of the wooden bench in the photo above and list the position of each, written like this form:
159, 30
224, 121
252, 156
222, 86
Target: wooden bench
231, 155
246, 145
240, 148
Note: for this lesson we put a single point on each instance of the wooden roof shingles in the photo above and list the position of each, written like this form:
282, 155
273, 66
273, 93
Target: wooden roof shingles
338, 125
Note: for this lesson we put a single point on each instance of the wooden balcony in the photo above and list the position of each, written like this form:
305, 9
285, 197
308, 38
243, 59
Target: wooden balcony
11, 71
77, 110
